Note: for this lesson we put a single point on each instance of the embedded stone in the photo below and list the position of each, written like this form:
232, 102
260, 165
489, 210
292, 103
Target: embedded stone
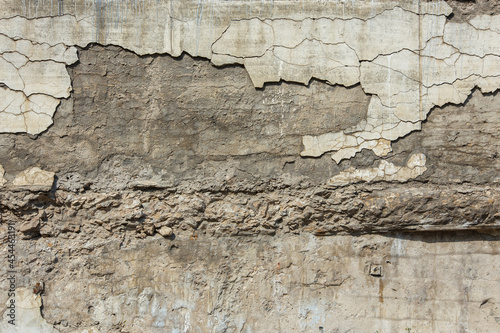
165, 231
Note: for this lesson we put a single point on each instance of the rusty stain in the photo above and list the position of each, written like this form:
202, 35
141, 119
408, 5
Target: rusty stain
380, 291
38, 288
320, 232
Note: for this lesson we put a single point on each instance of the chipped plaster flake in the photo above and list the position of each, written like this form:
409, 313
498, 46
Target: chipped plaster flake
10, 75
21, 114
36, 78
488, 84
472, 41
259, 70
435, 48
41, 104
65, 29
380, 147
458, 91
400, 130
416, 160
346, 146
315, 146
377, 36
36, 123
15, 58
385, 171
46, 77
39, 52
28, 316
223, 59
298, 54
34, 177
445, 93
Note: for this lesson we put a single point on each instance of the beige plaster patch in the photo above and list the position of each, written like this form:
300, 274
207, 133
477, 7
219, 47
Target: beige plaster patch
385, 171
34, 177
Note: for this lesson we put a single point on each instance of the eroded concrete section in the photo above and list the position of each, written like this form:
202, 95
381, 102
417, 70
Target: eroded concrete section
185, 134
184, 119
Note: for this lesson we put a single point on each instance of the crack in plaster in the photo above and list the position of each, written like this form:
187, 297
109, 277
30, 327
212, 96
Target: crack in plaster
34, 83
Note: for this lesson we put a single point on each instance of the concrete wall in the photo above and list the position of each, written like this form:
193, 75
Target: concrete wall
222, 166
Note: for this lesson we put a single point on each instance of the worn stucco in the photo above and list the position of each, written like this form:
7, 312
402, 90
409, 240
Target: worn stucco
442, 282
250, 166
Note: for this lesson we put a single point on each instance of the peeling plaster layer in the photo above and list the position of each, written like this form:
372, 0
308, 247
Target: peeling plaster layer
35, 78
403, 53
385, 171
34, 177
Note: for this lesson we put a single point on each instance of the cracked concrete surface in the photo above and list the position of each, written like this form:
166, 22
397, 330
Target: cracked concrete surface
405, 54
173, 195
